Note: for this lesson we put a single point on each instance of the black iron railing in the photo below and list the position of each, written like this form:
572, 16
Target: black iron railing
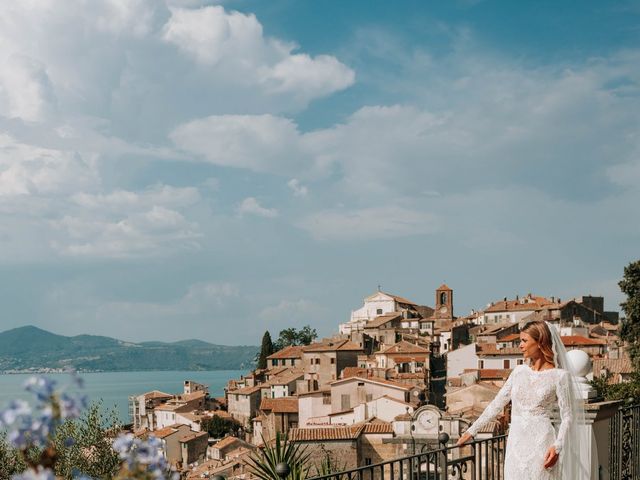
624, 441
478, 460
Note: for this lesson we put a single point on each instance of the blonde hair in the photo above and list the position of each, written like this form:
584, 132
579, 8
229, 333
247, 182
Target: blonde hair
540, 333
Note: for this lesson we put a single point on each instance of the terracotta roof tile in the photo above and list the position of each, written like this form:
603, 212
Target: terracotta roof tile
247, 390
225, 442
163, 432
403, 347
535, 303
575, 340
380, 320
157, 394
292, 351
510, 338
390, 383
339, 433
348, 372
188, 397
400, 299
192, 436
613, 365
491, 349
280, 405
323, 434
340, 345
286, 379
415, 358
378, 428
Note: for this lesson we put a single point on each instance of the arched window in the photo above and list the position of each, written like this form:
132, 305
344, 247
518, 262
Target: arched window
443, 298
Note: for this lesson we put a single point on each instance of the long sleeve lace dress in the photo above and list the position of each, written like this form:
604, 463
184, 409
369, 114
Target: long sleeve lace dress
534, 396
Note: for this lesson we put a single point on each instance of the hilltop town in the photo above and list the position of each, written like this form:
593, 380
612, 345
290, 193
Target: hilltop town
395, 376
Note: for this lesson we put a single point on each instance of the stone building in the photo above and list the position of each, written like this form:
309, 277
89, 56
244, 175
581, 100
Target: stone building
324, 362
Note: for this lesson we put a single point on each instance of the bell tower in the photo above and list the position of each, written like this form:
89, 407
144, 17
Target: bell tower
444, 303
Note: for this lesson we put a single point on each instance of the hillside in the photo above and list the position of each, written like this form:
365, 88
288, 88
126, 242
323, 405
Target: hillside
33, 348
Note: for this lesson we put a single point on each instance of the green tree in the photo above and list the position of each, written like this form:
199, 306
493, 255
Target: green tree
287, 338
307, 335
11, 462
291, 337
265, 350
218, 427
630, 329
85, 445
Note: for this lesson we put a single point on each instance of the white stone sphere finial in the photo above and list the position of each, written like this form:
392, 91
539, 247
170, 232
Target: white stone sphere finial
579, 363
580, 366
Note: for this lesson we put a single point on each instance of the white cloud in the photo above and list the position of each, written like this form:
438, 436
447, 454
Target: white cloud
149, 57
251, 206
297, 188
30, 170
482, 123
209, 33
369, 223
123, 200
126, 224
25, 89
308, 77
213, 36
158, 230
262, 143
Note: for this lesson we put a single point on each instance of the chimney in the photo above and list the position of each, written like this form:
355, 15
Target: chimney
553, 299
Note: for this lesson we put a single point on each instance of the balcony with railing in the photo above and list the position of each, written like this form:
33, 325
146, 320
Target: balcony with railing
614, 450
481, 459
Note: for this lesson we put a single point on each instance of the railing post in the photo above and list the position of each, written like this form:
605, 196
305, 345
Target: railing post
443, 439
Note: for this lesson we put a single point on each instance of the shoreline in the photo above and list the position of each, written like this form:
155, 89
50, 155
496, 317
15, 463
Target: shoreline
58, 371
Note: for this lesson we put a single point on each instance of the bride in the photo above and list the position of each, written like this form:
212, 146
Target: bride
535, 391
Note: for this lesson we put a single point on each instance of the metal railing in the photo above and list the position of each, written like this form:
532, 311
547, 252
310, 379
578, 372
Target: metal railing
624, 441
477, 460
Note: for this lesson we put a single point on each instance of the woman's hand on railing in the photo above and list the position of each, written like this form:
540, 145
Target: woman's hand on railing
464, 439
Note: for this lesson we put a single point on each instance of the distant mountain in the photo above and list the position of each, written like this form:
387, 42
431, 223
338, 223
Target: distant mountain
33, 348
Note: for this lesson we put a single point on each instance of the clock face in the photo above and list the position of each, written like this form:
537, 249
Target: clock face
428, 420
443, 309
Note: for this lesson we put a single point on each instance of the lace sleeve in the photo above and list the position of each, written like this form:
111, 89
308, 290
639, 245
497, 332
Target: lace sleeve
564, 405
495, 407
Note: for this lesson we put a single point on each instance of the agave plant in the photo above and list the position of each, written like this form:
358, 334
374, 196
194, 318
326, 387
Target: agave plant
280, 451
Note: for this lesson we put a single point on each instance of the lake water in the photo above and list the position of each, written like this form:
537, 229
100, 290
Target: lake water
114, 388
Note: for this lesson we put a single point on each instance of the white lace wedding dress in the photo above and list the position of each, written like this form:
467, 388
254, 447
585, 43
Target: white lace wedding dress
534, 396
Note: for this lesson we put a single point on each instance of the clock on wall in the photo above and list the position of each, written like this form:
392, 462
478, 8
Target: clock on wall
443, 309
428, 420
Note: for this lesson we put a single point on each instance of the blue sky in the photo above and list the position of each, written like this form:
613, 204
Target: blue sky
193, 169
